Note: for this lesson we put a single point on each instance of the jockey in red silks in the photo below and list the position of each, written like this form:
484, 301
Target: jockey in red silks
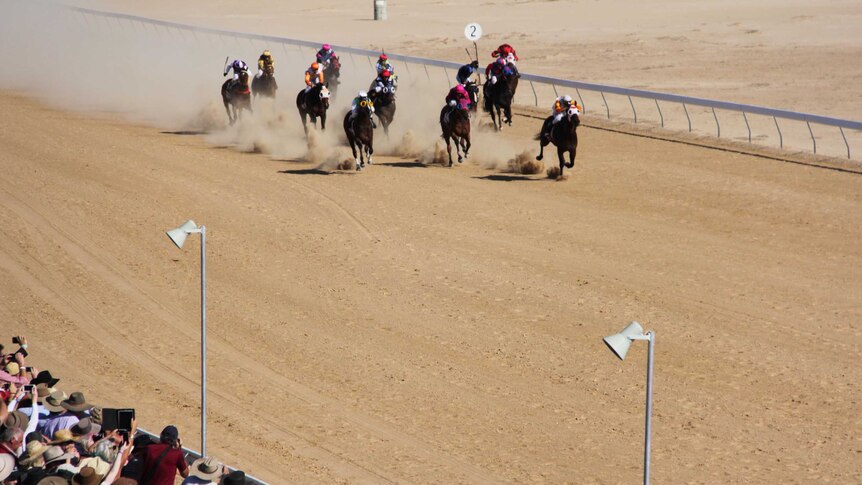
506, 52
458, 97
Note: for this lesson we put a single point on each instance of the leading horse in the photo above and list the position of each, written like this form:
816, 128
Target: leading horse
236, 97
313, 104
564, 135
265, 85
360, 133
455, 123
498, 97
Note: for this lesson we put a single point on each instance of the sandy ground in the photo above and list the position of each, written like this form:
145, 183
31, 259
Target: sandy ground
419, 324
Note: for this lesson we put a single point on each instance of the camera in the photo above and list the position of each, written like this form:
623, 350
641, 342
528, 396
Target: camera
16, 341
120, 419
28, 387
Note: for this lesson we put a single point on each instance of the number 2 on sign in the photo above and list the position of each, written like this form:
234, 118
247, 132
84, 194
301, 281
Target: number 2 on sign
473, 32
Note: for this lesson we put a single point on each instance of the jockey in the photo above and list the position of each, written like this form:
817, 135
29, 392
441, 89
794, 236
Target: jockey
466, 71
562, 105
238, 66
359, 101
498, 69
458, 97
313, 75
383, 83
325, 55
265, 60
507, 52
383, 64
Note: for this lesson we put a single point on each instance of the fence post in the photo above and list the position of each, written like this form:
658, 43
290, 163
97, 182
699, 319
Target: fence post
633, 109
426, 71
845, 140
608, 108
584, 106
812, 137
448, 80
780, 136
556, 94
660, 115
687, 116
717, 126
747, 126
534, 93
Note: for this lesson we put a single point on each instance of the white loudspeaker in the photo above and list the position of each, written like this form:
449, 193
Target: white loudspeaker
179, 235
619, 343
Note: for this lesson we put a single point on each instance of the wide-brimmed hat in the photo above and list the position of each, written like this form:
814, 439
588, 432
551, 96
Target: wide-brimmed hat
13, 368
35, 450
87, 476
235, 477
208, 468
62, 436
7, 464
85, 427
54, 400
96, 415
54, 454
45, 377
17, 419
53, 480
76, 403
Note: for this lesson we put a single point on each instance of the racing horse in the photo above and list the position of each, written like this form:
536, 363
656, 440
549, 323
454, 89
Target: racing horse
331, 73
564, 135
265, 85
455, 122
498, 97
360, 133
236, 97
313, 104
384, 106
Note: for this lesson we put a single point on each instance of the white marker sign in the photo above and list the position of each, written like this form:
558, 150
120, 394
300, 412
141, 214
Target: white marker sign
473, 32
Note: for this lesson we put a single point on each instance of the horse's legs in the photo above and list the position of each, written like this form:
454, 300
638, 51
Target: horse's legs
561, 152
448, 148
571, 151
542, 143
304, 122
323, 121
457, 140
499, 118
227, 110
370, 150
508, 111
353, 149
465, 145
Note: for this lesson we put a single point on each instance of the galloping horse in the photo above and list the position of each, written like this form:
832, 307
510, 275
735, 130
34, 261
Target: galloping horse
384, 106
360, 134
455, 123
564, 135
313, 104
498, 96
236, 95
331, 74
265, 85
473, 91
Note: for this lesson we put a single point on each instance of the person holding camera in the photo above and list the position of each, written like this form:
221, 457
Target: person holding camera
165, 459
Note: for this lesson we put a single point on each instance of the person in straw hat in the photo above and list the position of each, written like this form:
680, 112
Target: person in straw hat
75, 408
87, 476
205, 471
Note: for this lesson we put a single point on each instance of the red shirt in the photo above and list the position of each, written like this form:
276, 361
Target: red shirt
173, 461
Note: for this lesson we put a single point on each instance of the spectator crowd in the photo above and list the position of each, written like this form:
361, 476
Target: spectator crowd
49, 437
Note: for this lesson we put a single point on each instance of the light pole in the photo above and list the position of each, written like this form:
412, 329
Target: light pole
619, 344
178, 236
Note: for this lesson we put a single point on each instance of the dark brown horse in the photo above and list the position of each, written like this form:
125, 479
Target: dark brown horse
498, 98
265, 85
313, 104
360, 134
455, 123
384, 106
236, 96
331, 74
564, 135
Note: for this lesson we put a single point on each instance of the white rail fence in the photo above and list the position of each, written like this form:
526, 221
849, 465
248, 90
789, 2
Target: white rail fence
741, 122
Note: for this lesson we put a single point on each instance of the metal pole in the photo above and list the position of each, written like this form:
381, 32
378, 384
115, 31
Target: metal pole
534, 93
633, 109
203, 341
687, 116
780, 136
660, 115
845, 141
647, 439
717, 126
747, 126
608, 108
380, 10
812, 136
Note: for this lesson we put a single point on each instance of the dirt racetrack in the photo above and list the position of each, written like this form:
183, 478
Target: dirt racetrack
417, 324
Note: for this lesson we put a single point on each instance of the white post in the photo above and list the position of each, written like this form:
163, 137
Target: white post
203, 342
380, 10
647, 439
